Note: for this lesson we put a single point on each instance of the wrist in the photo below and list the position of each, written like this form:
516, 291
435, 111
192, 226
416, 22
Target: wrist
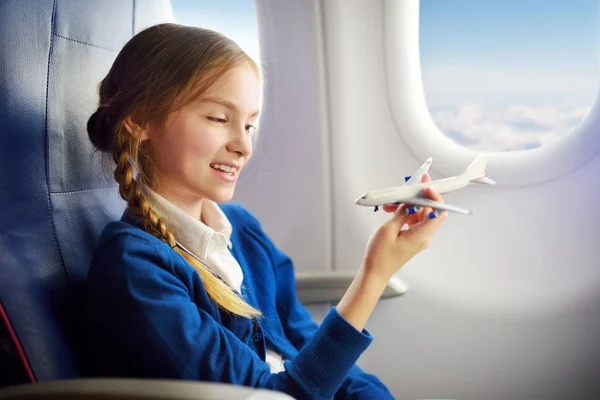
373, 277
360, 299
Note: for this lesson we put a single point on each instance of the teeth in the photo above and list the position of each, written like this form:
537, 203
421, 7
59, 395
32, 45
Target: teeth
225, 168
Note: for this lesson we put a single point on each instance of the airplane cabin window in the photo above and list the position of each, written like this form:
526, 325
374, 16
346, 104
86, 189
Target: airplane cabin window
508, 75
234, 18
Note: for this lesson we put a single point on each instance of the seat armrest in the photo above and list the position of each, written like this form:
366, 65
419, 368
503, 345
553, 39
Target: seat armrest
138, 389
330, 287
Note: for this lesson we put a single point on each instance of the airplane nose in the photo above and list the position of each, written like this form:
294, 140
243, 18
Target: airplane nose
359, 201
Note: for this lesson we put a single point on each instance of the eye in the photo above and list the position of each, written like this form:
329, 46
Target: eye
218, 120
251, 129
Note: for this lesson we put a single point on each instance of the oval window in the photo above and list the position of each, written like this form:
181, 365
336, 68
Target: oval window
508, 75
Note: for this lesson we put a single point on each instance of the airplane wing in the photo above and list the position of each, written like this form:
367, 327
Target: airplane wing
416, 177
419, 201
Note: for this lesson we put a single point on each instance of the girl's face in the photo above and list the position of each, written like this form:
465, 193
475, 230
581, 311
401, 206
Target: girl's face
207, 143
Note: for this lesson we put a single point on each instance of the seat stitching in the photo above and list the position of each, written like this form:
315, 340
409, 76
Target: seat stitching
85, 43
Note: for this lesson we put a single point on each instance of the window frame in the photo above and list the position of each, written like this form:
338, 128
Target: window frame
423, 138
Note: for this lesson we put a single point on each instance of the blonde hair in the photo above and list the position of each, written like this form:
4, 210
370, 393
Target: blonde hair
155, 69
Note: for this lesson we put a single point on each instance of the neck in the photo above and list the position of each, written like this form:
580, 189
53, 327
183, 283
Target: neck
191, 205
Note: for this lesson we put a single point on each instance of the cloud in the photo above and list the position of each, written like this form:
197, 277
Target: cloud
493, 127
493, 108
508, 80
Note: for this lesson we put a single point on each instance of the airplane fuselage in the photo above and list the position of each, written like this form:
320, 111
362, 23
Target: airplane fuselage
401, 193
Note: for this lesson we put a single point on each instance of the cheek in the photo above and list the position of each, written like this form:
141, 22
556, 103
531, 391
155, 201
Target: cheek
198, 144
187, 144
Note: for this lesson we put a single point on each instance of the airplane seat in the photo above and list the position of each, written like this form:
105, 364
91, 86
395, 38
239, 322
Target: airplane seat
55, 196
54, 200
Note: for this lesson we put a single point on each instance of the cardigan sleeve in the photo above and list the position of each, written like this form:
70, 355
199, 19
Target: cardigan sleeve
142, 307
300, 328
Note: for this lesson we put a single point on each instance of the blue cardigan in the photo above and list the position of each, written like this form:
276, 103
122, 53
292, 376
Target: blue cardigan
148, 315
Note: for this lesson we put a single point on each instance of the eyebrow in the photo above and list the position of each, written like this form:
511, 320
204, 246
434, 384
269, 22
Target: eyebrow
225, 103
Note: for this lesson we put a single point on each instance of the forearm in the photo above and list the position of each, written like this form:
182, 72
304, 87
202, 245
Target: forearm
360, 299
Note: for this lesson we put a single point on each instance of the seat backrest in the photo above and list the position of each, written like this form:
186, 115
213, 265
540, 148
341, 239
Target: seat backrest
55, 197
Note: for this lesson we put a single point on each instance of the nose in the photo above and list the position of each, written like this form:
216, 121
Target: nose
240, 142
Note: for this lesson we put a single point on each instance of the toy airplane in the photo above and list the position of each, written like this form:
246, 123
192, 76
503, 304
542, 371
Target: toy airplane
412, 190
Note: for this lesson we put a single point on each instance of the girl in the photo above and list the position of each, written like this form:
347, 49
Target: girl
183, 288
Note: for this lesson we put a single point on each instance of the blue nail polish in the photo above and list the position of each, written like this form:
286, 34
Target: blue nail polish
432, 215
410, 211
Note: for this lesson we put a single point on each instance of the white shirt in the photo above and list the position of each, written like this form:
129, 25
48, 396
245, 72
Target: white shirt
209, 242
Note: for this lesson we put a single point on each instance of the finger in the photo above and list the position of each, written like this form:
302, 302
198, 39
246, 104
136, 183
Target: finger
424, 213
415, 217
425, 178
433, 195
398, 219
427, 228
390, 208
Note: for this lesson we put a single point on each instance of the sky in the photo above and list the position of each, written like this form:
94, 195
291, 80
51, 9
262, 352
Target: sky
234, 18
510, 74
498, 75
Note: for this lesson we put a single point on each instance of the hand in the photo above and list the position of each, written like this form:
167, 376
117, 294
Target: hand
390, 246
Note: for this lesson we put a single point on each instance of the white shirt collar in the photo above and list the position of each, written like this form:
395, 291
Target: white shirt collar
205, 241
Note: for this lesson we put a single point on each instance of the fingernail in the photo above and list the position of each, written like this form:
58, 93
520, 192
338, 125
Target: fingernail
432, 215
410, 211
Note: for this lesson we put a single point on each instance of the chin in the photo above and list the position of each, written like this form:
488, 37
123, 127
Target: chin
221, 196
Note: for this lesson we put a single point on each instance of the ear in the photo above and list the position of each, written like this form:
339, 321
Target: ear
136, 130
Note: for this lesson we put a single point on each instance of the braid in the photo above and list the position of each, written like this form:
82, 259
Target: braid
137, 204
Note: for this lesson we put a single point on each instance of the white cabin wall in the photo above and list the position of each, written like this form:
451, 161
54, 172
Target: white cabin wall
287, 183
503, 305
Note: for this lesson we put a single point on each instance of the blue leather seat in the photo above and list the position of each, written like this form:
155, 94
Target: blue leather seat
55, 197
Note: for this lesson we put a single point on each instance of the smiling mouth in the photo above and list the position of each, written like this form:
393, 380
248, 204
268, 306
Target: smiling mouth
226, 169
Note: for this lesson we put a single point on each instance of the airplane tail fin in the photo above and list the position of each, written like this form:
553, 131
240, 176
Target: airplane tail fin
475, 172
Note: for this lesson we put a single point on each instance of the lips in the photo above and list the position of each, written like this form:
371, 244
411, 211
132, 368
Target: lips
229, 177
